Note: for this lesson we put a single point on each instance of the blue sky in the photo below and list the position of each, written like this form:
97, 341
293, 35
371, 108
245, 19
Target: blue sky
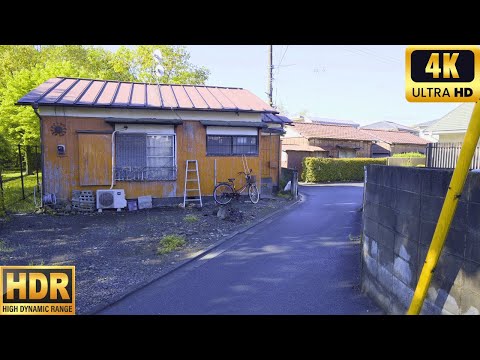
362, 83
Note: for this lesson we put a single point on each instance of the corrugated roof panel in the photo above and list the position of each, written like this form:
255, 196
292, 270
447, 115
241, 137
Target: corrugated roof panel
35, 94
91, 93
240, 98
123, 94
58, 91
108, 93
211, 101
138, 95
75, 92
224, 101
196, 98
153, 97
105, 93
168, 97
256, 102
182, 97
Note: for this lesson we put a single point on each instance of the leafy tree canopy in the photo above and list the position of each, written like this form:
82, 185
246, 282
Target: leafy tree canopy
24, 67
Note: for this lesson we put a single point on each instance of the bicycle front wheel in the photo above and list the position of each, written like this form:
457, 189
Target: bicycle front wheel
253, 193
223, 194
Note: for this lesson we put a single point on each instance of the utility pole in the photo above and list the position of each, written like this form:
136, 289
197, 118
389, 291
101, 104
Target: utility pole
270, 75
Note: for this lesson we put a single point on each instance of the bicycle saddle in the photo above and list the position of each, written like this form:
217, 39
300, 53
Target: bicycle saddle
231, 180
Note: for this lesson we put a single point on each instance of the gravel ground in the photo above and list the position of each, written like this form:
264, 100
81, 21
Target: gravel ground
112, 251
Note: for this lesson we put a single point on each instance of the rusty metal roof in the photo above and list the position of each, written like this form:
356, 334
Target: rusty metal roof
65, 91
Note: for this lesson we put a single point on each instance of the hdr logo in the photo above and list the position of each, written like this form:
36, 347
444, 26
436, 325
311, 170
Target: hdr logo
37, 290
442, 73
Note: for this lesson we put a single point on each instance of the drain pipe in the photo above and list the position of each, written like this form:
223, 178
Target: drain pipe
113, 155
42, 163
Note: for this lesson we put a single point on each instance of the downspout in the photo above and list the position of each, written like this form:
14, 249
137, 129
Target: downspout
113, 155
42, 163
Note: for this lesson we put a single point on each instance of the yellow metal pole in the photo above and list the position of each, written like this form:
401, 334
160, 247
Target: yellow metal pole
448, 211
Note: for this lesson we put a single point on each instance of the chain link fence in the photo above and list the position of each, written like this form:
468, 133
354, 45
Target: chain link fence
19, 178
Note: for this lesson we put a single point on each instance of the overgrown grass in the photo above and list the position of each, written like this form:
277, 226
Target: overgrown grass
409, 155
12, 192
190, 218
284, 195
4, 248
7, 175
170, 243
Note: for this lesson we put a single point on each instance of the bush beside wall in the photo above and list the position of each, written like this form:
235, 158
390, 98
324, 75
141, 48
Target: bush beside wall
328, 169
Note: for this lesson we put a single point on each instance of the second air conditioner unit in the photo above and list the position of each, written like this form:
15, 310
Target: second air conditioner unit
111, 199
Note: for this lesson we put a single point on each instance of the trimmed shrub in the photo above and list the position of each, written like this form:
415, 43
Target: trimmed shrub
409, 155
328, 169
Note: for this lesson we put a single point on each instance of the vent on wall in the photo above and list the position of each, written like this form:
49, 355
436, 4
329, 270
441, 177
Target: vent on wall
111, 199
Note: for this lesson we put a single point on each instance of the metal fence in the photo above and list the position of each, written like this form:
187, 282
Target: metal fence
445, 155
19, 177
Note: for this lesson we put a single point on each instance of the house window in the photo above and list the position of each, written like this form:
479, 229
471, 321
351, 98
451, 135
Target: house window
145, 157
229, 145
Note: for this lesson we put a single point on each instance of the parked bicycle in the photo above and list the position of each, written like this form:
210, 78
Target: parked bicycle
224, 192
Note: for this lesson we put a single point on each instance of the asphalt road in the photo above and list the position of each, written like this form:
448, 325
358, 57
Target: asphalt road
301, 262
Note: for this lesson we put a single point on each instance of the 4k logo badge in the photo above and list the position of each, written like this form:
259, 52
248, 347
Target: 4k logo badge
37, 290
442, 73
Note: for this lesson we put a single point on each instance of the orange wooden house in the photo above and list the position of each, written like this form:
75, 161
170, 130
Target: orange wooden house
138, 136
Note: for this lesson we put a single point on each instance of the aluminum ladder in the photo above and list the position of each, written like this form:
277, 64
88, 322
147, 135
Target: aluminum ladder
196, 179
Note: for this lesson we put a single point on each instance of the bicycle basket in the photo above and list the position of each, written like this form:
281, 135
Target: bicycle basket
252, 179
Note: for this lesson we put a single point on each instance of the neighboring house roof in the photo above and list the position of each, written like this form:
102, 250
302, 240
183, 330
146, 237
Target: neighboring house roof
301, 147
63, 91
277, 119
388, 125
425, 124
455, 121
327, 121
311, 131
396, 137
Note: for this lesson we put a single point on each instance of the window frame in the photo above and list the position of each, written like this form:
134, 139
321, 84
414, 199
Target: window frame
147, 134
231, 152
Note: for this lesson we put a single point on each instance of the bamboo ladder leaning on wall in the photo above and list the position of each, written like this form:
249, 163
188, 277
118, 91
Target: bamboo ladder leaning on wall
196, 179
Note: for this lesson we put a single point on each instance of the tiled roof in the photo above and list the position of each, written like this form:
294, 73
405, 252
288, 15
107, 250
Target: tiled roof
276, 119
327, 121
396, 137
388, 126
120, 94
302, 147
311, 131
455, 121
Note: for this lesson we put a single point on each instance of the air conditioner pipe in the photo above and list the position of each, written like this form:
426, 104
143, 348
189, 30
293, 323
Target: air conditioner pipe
113, 154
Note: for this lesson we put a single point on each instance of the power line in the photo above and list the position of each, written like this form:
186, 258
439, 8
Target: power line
281, 60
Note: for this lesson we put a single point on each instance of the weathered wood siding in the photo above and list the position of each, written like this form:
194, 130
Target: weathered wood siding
270, 157
80, 169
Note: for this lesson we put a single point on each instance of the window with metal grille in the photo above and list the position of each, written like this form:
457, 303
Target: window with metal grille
232, 145
145, 157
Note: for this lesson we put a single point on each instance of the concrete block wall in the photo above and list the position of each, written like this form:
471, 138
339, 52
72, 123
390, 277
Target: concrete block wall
401, 208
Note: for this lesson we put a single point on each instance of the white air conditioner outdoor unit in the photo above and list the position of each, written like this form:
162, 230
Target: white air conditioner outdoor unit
111, 199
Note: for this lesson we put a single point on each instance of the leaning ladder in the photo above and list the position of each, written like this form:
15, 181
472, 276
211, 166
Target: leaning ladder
196, 179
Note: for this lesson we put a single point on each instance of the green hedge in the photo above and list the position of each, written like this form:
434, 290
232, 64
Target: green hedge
328, 169
409, 155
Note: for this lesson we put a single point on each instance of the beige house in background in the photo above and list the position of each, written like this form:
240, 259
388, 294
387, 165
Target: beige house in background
453, 126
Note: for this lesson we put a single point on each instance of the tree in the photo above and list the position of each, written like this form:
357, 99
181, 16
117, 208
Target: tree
139, 63
23, 68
